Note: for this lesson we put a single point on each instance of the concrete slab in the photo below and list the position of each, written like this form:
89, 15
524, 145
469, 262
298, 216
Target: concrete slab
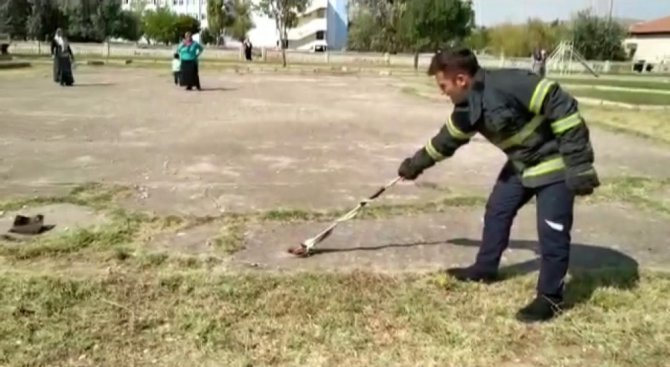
63, 218
192, 241
249, 142
604, 235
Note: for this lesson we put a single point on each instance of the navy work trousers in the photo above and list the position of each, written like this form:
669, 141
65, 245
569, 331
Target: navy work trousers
555, 203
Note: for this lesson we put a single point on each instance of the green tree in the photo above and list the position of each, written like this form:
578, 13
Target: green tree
241, 22
130, 26
14, 16
478, 39
285, 13
80, 22
362, 32
159, 25
376, 26
184, 23
544, 35
107, 19
45, 17
598, 38
519, 40
429, 24
215, 18
206, 37
508, 39
139, 6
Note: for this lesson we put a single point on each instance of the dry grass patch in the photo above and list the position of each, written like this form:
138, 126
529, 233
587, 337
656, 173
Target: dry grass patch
194, 318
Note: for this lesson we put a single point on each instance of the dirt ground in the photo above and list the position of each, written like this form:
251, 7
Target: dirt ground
247, 142
233, 175
251, 142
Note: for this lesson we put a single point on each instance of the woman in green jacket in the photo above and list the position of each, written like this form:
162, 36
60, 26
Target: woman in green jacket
189, 51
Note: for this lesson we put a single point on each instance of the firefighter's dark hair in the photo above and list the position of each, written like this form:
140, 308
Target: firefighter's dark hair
460, 59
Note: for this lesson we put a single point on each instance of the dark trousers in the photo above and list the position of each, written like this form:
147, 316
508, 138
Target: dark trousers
555, 204
175, 74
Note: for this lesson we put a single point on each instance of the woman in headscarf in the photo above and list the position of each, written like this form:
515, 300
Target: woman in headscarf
189, 51
247, 49
63, 58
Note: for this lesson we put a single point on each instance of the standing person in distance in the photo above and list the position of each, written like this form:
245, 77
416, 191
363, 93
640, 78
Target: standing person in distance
248, 47
63, 59
540, 129
189, 51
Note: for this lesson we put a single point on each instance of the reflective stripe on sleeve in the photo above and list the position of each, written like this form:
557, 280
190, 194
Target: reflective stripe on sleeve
456, 132
567, 123
539, 95
433, 153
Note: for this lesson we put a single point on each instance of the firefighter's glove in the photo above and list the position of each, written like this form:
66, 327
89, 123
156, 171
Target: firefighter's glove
413, 167
582, 180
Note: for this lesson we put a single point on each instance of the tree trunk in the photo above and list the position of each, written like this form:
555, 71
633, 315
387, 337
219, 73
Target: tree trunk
283, 49
416, 60
283, 55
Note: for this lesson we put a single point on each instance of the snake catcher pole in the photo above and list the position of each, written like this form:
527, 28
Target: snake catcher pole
304, 248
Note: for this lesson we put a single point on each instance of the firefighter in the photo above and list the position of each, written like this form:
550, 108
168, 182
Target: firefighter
540, 129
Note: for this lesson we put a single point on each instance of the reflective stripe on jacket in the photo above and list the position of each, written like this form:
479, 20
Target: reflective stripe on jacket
531, 119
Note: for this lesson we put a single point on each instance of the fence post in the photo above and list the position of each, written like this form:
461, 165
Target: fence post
326, 56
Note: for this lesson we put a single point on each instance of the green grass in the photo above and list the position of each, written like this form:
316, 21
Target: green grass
195, 318
154, 308
632, 97
651, 124
95, 195
645, 193
642, 84
119, 237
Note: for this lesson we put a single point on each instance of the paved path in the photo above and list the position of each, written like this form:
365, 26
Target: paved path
604, 235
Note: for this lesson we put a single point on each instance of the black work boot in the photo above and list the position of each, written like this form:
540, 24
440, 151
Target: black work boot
473, 274
542, 308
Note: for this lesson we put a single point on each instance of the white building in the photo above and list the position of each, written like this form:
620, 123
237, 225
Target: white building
324, 24
650, 41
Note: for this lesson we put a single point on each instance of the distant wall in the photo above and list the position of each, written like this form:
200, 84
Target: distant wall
332, 57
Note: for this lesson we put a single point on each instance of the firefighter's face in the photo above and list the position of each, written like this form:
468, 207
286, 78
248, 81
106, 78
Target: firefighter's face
454, 85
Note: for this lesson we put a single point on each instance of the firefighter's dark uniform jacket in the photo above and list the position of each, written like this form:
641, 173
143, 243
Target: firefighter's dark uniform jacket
531, 119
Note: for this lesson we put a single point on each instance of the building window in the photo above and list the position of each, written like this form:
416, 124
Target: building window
320, 35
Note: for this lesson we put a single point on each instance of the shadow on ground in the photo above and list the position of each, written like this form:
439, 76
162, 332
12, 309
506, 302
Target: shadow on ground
591, 267
321, 251
217, 89
86, 85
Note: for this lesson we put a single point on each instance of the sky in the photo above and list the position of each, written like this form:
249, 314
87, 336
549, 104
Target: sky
491, 12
